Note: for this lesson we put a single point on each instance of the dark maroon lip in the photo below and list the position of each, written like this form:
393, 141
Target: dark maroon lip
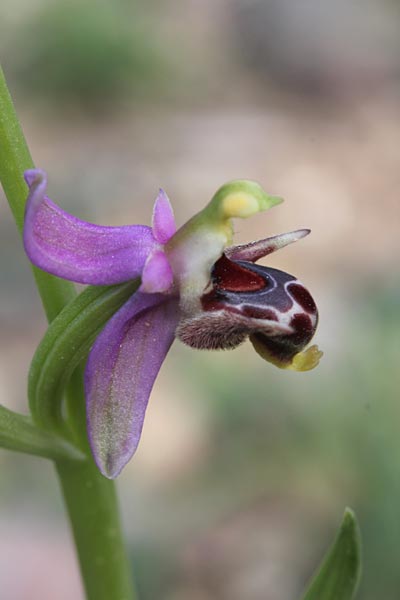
302, 297
284, 347
242, 283
246, 299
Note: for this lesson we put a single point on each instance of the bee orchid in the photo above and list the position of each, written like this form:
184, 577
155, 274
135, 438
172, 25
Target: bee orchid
195, 286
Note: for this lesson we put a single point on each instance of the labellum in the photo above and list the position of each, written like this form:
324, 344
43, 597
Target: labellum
243, 300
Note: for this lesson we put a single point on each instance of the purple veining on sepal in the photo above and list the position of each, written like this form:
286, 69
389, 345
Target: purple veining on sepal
163, 219
65, 246
120, 374
157, 275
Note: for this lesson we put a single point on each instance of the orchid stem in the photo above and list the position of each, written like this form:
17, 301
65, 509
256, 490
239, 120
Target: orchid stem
91, 502
90, 498
15, 158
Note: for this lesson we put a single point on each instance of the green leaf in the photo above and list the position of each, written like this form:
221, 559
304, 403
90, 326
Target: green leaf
339, 574
63, 347
18, 432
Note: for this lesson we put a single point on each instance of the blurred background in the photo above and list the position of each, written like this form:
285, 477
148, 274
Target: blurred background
243, 471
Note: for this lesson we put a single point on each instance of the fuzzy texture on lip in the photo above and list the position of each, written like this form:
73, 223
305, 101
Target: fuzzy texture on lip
194, 286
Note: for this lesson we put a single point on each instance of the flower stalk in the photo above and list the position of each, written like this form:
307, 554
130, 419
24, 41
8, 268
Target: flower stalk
92, 507
89, 497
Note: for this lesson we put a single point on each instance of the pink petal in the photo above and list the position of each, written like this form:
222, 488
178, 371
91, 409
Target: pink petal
120, 374
256, 250
73, 249
157, 274
163, 219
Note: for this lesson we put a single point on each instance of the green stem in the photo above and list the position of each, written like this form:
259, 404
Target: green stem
92, 507
15, 158
90, 498
91, 502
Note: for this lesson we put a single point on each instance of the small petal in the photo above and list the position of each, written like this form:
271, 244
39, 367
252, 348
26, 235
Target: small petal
65, 246
256, 250
163, 219
120, 374
157, 274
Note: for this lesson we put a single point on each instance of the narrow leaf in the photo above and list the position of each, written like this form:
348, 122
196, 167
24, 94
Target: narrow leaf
65, 344
338, 576
18, 432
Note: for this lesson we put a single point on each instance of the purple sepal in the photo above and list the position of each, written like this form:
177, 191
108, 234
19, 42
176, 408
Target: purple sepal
163, 219
120, 373
65, 246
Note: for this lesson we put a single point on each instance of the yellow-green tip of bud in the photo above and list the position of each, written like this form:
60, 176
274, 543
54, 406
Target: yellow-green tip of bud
240, 199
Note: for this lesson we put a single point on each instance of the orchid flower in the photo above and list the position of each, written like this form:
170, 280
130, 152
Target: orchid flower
194, 286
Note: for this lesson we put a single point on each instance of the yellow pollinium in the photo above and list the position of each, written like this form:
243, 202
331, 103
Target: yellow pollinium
239, 199
239, 204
